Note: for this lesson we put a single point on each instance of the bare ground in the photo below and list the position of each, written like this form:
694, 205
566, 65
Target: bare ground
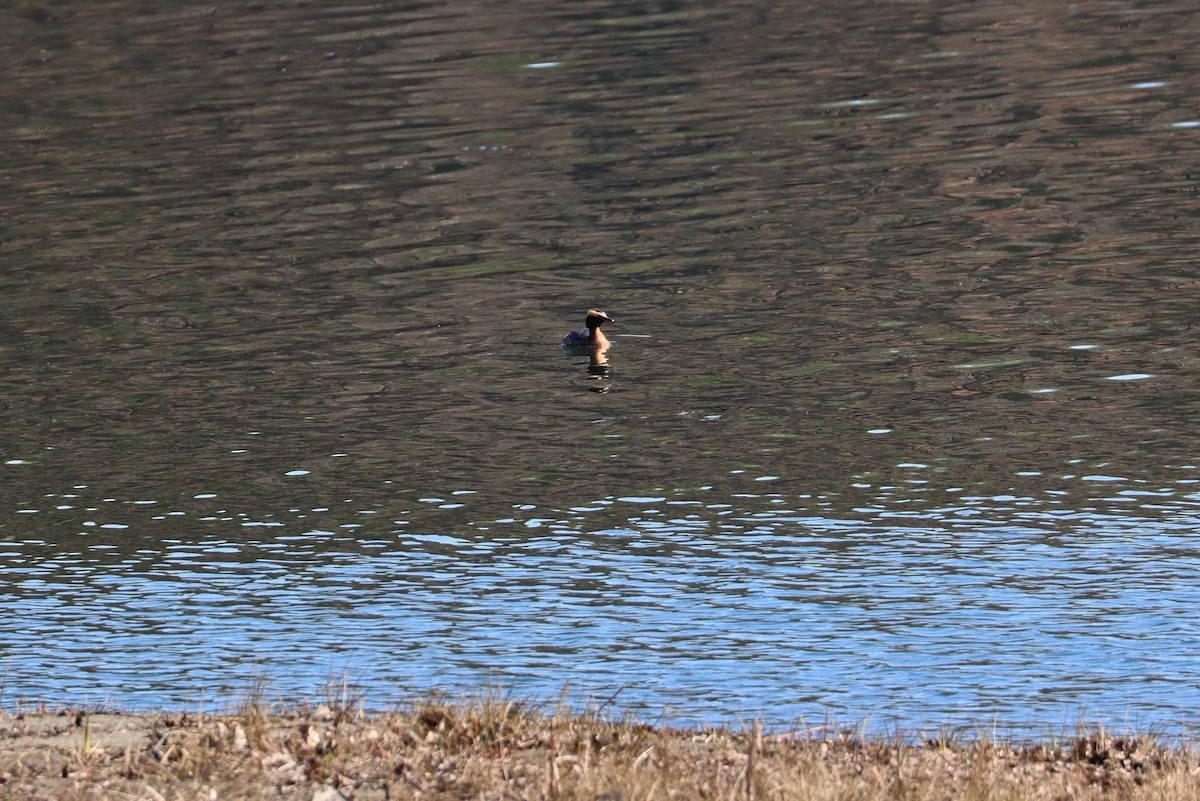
495, 749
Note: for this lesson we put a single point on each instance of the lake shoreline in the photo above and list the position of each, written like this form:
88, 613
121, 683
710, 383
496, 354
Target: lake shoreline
499, 748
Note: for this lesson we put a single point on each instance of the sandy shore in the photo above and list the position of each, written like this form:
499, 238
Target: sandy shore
502, 750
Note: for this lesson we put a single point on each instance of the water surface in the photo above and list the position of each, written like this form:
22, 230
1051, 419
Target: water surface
899, 417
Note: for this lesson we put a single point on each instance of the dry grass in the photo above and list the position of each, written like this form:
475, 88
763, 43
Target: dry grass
501, 749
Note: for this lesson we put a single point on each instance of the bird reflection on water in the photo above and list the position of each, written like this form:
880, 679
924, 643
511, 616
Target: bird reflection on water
598, 369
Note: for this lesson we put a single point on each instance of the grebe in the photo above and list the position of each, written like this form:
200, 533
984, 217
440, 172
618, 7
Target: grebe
589, 338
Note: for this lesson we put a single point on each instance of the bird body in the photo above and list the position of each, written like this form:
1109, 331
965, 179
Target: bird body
589, 338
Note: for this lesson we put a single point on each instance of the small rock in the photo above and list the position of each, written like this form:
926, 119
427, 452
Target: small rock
283, 768
327, 793
313, 738
240, 743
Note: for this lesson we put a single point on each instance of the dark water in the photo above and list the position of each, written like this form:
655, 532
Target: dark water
900, 416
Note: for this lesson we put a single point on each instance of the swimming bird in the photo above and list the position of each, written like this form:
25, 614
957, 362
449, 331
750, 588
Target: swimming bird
590, 337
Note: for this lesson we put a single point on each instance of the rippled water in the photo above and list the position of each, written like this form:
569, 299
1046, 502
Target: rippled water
905, 601
899, 416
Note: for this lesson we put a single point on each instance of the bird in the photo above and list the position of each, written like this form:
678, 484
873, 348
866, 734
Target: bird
589, 338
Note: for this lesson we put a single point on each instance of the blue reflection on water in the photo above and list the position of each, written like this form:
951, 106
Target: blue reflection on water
1024, 608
